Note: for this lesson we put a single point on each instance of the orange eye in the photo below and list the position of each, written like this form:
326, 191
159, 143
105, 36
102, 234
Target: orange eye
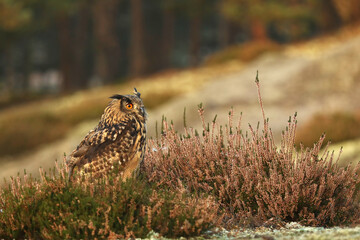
129, 106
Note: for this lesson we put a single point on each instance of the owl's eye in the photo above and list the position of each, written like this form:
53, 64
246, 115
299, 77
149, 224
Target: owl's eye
129, 106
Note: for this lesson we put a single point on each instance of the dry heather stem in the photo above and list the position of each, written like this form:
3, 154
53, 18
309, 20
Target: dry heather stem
251, 177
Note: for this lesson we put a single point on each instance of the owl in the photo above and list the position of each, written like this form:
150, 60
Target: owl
117, 141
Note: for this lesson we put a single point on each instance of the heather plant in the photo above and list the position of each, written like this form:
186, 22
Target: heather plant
190, 183
108, 208
252, 179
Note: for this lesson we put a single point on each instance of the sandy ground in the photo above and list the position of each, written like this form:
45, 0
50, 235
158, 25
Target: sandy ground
291, 81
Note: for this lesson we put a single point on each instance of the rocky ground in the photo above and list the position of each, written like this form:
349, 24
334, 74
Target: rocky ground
291, 231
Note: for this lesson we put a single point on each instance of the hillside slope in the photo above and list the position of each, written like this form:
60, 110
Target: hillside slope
315, 76
291, 81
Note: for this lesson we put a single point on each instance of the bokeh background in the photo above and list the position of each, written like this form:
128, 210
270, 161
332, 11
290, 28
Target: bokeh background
61, 60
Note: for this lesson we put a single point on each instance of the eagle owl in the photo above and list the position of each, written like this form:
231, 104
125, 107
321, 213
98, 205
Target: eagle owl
117, 141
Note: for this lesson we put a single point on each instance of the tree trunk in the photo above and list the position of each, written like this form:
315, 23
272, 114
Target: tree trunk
107, 42
81, 46
137, 55
224, 29
258, 30
66, 52
9, 70
167, 34
26, 66
330, 19
195, 27
228, 31
349, 10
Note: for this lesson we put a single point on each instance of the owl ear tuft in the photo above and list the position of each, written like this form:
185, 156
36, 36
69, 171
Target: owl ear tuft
117, 96
137, 93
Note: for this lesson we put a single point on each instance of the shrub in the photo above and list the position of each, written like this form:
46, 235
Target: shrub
190, 183
55, 209
252, 179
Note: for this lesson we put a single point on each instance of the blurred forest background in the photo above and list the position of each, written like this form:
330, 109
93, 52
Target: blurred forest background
60, 60
60, 46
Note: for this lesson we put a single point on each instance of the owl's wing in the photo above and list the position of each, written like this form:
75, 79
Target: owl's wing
107, 134
83, 147
98, 137
78, 154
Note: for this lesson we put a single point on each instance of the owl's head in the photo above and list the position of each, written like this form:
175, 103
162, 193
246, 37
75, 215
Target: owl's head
131, 104
124, 106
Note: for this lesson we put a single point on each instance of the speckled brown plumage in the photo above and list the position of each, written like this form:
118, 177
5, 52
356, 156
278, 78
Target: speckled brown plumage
117, 141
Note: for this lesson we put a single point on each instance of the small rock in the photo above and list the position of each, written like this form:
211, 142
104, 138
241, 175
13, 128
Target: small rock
293, 225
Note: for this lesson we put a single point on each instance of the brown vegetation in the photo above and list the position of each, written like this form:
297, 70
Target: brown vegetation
108, 208
221, 176
254, 180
